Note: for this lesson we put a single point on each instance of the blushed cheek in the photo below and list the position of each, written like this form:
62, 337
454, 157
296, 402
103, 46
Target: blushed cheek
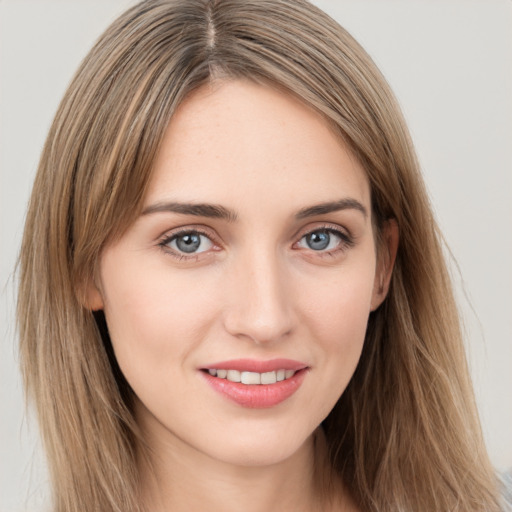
154, 319
340, 315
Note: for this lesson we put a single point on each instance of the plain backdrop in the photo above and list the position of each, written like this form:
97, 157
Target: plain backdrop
450, 64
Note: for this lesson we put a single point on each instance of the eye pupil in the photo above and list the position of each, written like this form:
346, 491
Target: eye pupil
188, 243
318, 240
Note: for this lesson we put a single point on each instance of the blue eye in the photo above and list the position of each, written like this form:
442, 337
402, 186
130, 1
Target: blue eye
321, 240
190, 242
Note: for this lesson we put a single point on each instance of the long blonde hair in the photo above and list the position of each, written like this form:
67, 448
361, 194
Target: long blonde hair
405, 433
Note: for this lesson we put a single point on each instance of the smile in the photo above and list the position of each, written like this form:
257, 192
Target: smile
256, 384
252, 378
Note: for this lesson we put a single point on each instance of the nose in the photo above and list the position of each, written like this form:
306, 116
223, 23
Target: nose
259, 299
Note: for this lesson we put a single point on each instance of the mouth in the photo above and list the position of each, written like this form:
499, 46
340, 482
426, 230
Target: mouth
256, 384
251, 378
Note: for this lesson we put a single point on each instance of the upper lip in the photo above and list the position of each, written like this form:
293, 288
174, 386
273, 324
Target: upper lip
254, 365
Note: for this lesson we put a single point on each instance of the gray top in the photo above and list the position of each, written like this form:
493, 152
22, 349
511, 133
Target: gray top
506, 480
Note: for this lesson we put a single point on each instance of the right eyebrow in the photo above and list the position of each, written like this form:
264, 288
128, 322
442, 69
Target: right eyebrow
213, 211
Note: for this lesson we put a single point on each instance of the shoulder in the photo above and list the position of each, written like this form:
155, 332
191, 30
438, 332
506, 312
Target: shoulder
506, 490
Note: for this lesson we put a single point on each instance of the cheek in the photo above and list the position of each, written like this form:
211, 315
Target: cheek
339, 303
336, 314
152, 316
346, 315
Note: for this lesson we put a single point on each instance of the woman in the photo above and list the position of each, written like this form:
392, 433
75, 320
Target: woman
232, 289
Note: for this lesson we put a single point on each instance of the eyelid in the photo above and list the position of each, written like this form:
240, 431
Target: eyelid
347, 239
164, 239
344, 232
189, 228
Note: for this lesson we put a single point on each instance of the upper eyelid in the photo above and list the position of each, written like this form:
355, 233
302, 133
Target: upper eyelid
169, 234
328, 226
202, 230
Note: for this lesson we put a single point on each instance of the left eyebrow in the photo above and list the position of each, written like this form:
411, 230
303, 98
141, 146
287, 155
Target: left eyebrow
331, 206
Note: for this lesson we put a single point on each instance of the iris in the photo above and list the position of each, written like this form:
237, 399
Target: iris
318, 240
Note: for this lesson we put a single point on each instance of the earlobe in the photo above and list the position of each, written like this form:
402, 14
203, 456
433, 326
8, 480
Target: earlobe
386, 261
92, 298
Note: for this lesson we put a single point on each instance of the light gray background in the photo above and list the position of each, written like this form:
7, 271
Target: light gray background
450, 64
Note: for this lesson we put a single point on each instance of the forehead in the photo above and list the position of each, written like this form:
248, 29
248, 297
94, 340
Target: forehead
235, 140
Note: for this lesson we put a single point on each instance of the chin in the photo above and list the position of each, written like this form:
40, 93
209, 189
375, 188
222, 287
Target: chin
263, 447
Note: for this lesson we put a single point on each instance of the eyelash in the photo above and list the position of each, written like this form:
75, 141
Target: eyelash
169, 238
346, 241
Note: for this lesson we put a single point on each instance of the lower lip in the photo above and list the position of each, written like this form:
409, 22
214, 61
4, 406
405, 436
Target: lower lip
257, 396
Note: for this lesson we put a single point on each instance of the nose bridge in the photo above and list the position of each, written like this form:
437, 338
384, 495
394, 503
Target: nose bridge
260, 305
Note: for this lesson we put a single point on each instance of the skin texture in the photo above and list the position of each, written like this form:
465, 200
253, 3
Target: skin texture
254, 289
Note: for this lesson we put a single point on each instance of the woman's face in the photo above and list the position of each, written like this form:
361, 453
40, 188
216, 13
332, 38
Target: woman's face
254, 258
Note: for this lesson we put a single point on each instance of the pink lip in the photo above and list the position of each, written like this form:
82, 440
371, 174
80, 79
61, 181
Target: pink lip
262, 395
253, 365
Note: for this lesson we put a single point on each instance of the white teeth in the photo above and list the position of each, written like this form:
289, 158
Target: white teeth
252, 378
268, 378
233, 375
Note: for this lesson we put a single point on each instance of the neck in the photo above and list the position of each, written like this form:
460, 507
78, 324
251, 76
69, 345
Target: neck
179, 478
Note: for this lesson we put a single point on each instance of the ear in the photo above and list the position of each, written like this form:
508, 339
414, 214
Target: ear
91, 296
386, 255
